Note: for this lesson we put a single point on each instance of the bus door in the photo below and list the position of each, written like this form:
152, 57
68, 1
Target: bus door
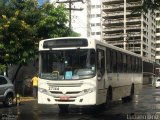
101, 71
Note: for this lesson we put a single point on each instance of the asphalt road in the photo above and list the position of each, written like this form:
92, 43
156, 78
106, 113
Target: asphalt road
145, 106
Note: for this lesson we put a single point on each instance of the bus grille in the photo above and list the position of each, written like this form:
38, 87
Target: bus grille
73, 92
56, 92
58, 100
65, 85
67, 93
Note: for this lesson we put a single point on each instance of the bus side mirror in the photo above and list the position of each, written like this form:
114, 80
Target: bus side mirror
99, 78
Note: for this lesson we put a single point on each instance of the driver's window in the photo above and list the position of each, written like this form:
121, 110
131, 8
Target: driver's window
100, 61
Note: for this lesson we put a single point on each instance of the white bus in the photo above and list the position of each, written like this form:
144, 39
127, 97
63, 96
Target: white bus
84, 71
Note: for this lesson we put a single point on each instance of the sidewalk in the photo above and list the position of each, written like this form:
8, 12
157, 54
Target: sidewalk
25, 99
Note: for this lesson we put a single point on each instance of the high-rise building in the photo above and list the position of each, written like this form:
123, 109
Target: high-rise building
77, 15
113, 21
87, 22
94, 18
133, 31
158, 37
79, 19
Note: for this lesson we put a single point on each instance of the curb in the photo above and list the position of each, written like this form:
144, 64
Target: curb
25, 99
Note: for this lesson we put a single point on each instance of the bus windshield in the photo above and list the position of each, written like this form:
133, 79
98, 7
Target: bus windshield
67, 64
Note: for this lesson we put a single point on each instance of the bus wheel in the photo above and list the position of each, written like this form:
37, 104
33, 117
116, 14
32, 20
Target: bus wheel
108, 97
63, 108
132, 93
130, 97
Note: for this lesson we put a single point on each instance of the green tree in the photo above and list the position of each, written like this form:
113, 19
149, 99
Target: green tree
23, 23
17, 39
53, 21
150, 5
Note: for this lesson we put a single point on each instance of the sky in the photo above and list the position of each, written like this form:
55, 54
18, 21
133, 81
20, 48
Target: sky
42, 1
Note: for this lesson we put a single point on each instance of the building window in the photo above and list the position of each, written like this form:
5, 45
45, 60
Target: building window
92, 6
92, 15
158, 30
98, 24
92, 33
98, 33
98, 15
92, 24
98, 6
157, 37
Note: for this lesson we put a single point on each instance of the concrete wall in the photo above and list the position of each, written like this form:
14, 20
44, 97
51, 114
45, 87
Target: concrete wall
24, 76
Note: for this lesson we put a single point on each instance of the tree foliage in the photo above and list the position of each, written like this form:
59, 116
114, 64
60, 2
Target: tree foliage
52, 19
23, 23
152, 5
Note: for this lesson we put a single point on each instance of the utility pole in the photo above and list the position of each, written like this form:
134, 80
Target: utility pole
70, 2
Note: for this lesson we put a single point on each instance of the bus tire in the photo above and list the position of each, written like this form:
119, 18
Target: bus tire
108, 96
130, 97
132, 92
63, 107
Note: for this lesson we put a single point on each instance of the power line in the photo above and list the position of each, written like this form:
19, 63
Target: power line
70, 2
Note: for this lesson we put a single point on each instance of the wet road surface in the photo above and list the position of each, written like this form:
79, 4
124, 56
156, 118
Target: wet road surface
145, 106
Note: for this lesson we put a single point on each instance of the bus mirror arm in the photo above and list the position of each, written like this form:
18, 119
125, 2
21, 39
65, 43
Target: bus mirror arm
99, 78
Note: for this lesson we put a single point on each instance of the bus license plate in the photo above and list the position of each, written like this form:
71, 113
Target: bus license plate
64, 98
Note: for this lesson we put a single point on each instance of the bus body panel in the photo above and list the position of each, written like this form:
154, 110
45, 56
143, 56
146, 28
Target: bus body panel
75, 92
122, 84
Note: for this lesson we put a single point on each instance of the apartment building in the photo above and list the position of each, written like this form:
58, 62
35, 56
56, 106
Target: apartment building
133, 31
94, 18
115, 22
79, 19
87, 22
158, 37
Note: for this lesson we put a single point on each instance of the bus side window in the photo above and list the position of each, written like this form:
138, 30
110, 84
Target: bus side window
119, 62
128, 63
133, 64
100, 61
111, 60
114, 61
140, 66
137, 65
124, 63
108, 61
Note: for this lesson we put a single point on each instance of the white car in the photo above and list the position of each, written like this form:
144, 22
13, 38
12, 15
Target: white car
157, 82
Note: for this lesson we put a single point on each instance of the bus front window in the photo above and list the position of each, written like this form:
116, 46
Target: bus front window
67, 64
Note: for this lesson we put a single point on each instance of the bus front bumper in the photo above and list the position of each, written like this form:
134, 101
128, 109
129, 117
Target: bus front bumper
86, 99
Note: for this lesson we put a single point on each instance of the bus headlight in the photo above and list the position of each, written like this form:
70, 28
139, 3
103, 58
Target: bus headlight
42, 90
85, 91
